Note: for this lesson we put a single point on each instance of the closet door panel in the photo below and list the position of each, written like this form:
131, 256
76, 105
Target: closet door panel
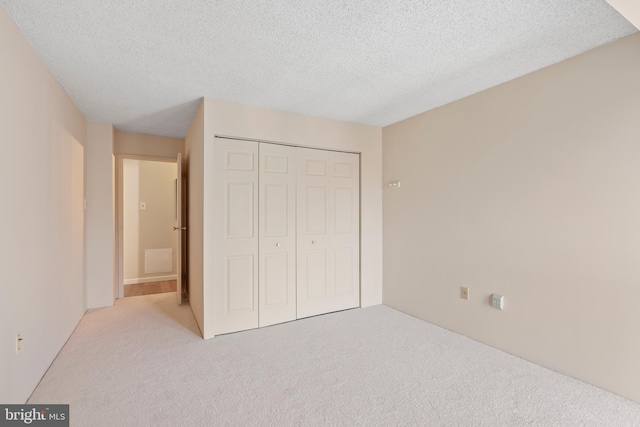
276, 209
316, 277
277, 228
343, 265
235, 268
313, 227
328, 231
276, 281
239, 284
239, 209
345, 228
316, 210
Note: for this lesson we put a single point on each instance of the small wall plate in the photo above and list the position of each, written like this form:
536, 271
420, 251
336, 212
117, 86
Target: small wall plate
497, 301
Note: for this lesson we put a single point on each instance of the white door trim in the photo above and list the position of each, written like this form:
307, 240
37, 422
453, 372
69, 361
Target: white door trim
119, 255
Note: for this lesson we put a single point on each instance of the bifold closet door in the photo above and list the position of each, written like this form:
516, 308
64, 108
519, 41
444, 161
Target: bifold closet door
235, 229
328, 236
277, 231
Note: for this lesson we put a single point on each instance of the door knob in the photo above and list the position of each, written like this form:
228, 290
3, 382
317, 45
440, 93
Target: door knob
313, 242
278, 244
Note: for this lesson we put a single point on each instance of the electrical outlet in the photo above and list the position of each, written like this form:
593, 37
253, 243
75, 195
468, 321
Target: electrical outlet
464, 293
18, 342
497, 301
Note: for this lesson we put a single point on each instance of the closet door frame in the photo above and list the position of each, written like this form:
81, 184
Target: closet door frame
248, 317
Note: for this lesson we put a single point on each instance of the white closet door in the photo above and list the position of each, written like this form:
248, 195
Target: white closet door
328, 277
277, 225
344, 205
234, 220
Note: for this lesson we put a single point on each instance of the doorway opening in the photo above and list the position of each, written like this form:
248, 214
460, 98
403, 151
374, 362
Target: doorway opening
148, 250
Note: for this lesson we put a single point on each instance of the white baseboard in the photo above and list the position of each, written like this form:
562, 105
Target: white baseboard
150, 279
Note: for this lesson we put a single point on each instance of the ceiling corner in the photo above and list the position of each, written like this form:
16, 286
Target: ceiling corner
630, 9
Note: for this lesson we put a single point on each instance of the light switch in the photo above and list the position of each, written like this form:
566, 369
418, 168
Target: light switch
143, 206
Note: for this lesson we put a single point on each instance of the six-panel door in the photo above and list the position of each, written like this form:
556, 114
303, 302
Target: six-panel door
277, 242
235, 227
328, 255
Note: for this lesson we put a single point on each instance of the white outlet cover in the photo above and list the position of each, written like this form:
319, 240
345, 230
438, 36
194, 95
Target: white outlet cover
497, 301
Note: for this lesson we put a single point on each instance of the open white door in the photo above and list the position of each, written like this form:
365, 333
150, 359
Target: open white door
178, 228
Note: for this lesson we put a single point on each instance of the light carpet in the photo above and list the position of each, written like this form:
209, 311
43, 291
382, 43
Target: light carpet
142, 362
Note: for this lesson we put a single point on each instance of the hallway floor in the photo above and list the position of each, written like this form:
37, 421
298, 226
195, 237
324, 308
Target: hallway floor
149, 288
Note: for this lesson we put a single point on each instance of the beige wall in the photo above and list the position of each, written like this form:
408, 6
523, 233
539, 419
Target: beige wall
237, 120
152, 228
194, 170
42, 136
531, 190
139, 144
100, 277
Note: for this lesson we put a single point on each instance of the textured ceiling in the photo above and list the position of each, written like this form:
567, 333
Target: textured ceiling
143, 65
